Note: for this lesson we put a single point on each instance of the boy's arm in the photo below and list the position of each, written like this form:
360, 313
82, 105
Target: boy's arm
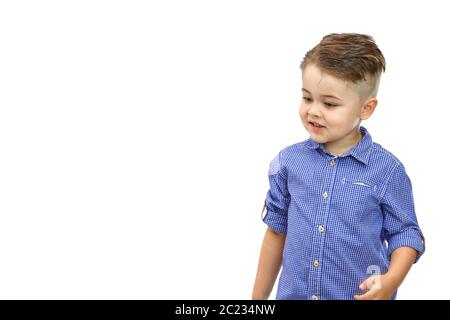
402, 260
401, 231
382, 287
269, 264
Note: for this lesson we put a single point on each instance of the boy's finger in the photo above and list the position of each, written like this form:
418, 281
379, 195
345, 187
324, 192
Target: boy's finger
363, 285
366, 284
366, 296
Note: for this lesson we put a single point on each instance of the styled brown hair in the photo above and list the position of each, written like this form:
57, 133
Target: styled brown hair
351, 57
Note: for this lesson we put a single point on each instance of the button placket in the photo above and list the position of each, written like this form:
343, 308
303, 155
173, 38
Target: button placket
319, 238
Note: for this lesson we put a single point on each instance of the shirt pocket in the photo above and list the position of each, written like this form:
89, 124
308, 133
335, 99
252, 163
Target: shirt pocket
356, 198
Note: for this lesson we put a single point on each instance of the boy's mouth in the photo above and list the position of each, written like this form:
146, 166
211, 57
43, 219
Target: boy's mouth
315, 124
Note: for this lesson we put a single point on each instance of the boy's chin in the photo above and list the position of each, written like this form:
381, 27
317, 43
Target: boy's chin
317, 139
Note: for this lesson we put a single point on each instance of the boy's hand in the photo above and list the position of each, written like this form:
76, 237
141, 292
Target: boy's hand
383, 287
379, 288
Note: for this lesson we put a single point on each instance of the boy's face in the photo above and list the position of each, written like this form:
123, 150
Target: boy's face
335, 105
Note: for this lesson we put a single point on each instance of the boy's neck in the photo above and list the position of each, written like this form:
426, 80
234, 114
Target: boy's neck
339, 147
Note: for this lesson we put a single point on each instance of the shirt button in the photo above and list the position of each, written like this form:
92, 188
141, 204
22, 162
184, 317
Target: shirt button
314, 297
325, 195
321, 229
316, 263
332, 162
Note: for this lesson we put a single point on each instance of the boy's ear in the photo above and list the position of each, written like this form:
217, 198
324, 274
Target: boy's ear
368, 108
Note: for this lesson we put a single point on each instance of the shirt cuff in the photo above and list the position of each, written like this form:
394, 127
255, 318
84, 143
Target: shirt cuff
412, 238
276, 222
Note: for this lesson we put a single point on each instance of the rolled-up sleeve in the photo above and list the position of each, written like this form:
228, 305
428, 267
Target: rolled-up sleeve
277, 198
400, 227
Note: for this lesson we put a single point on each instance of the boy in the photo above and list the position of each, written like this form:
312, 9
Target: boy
340, 210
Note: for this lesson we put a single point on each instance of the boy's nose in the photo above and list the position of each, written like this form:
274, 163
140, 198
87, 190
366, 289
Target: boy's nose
314, 112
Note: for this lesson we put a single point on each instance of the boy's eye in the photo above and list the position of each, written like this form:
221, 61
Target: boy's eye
327, 104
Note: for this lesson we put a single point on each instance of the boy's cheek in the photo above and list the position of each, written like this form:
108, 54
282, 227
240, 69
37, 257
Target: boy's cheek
302, 111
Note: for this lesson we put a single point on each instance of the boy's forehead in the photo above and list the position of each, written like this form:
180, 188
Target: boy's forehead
314, 79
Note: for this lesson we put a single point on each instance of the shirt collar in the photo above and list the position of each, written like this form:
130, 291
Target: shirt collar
360, 151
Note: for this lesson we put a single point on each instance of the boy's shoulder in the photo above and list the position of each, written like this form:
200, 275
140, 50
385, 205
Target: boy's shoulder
295, 148
380, 153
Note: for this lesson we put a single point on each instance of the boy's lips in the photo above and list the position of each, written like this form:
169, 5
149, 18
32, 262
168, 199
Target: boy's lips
316, 124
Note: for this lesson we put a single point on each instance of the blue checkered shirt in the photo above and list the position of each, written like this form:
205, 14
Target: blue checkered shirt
343, 216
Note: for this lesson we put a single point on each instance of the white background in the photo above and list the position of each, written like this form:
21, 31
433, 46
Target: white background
135, 138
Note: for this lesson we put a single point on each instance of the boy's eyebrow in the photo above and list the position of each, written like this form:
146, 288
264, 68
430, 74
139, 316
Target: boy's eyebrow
324, 95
